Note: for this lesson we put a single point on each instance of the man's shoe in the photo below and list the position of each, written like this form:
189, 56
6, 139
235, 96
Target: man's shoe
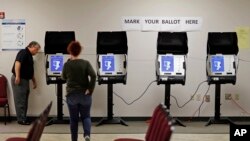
23, 122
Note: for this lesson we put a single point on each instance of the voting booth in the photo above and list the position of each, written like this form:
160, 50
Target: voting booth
221, 66
111, 53
56, 43
172, 48
222, 50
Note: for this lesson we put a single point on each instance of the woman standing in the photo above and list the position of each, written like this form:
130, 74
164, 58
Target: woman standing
80, 78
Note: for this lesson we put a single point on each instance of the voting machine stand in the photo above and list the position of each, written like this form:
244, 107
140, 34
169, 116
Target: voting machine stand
221, 66
111, 67
172, 48
56, 43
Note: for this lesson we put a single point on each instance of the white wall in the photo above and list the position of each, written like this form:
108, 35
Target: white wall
87, 17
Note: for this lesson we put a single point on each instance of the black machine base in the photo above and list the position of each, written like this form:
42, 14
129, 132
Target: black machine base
110, 119
178, 122
115, 120
57, 121
219, 121
167, 103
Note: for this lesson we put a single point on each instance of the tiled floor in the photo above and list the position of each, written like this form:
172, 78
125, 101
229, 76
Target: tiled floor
111, 137
135, 127
195, 131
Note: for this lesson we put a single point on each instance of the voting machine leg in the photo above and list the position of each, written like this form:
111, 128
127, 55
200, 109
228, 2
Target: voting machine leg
217, 119
167, 103
59, 119
110, 119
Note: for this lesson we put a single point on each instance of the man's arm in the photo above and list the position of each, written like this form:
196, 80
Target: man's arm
34, 82
17, 72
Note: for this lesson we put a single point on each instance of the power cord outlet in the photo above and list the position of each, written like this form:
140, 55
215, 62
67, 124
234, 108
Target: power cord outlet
228, 96
207, 98
237, 97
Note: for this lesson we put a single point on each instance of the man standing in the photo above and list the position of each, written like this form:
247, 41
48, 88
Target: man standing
23, 71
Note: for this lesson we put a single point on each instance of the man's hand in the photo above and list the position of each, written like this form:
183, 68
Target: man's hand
34, 85
17, 81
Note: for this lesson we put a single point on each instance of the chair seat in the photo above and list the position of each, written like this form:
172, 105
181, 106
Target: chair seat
127, 139
16, 139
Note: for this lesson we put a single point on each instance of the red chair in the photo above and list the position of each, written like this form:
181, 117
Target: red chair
160, 129
3, 97
36, 130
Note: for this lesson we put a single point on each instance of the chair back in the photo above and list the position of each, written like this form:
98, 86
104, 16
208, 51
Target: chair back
37, 128
3, 86
165, 129
160, 127
3, 91
153, 120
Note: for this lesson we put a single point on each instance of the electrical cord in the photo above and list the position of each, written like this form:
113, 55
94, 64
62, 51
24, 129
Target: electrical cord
190, 98
198, 110
244, 60
240, 107
136, 98
203, 100
174, 96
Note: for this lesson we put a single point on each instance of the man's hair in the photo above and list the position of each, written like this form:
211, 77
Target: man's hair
33, 44
74, 48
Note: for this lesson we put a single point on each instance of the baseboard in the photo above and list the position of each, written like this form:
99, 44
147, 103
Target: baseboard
96, 119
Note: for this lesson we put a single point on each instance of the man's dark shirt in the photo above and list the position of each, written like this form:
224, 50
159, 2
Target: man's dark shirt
27, 65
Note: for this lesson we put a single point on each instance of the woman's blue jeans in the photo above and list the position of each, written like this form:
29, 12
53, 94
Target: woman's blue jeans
79, 103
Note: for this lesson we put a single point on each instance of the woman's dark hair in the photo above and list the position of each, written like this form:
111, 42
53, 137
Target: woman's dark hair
74, 48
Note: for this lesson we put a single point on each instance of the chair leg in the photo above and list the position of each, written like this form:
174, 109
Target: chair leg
5, 115
6, 107
8, 112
